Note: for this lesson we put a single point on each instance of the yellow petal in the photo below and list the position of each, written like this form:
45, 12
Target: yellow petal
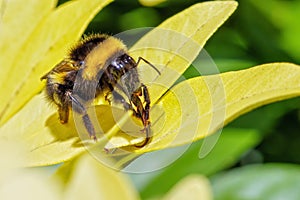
212, 102
20, 183
175, 43
40, 139
30, 185
46, 141
45, 46
86, 178
200, 106
192, 187
17, 21
50, 142
151, 2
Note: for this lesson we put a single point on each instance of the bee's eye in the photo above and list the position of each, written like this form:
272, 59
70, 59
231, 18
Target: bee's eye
128, 59
81, 63
117, 64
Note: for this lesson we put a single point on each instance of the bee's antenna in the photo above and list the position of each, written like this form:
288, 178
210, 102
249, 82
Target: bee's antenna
146, 61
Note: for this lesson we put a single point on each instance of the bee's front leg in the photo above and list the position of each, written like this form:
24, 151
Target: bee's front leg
142, 111
147, 105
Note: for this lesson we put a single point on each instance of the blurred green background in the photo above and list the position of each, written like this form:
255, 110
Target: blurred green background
257, 155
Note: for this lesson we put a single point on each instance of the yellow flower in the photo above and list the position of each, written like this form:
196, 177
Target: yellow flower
181, 112
34, 38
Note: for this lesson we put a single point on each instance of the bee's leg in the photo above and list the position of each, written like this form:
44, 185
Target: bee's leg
89, 126
141, 111
81, 109
120, 99
147, 105
63, 113
137, 107
108, 97
145, 115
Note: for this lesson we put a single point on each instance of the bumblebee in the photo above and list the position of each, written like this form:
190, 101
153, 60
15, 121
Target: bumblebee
95, 66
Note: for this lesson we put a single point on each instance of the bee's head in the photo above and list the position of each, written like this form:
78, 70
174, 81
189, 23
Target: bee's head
121, 65
124, 63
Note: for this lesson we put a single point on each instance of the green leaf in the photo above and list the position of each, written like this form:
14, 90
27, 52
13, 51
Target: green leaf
268, 182
46, 44
230, 146
287, 25
86, 178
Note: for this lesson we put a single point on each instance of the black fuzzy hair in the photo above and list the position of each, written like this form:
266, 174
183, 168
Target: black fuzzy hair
85, 46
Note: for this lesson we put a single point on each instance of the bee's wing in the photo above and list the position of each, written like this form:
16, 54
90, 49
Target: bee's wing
64, 66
